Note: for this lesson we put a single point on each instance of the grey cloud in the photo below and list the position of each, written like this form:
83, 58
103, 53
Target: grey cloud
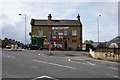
14, 32
59, 10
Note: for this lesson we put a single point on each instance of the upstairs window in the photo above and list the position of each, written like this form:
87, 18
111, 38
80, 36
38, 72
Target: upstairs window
66, 33
56, 33
40, 32
74, 32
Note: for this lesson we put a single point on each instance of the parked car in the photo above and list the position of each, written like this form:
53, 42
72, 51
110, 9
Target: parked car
8, 47
58, 47
35, 47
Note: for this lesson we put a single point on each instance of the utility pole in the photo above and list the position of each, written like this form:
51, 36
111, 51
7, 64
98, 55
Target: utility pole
98, 26
25, 26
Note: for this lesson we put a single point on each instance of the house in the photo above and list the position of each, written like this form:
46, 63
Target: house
115, 40
7, 41
103, 45
114, 43
94, 45
68, 33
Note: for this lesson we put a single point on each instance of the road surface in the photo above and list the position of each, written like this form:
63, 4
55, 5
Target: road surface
22, 64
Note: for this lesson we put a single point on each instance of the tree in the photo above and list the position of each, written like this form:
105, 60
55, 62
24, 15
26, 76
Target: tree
88, 41
91, 41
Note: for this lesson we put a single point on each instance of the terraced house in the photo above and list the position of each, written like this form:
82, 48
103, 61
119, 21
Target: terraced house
67, 33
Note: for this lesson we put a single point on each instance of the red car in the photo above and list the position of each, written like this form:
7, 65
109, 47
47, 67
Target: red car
57, 48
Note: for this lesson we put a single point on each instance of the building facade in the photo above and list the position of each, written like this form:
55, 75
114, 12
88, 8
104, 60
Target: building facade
68, 33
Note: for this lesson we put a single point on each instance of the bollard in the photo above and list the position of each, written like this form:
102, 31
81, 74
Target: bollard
16, 46
12, 47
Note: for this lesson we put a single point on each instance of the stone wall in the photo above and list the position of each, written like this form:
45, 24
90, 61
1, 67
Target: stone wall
105, 55
114, 50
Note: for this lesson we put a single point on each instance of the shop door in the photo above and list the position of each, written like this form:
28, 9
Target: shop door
65, 44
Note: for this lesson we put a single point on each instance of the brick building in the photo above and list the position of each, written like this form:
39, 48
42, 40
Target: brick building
68, 33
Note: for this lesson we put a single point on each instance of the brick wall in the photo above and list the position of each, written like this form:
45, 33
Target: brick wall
72, 41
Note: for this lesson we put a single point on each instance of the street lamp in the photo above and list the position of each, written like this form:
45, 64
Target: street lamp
25, 26
98, 26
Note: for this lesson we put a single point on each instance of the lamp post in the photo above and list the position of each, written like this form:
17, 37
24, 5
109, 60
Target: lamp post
98, 26
25, 26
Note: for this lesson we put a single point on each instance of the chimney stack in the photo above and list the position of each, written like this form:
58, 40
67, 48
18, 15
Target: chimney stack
78, 17
49, 17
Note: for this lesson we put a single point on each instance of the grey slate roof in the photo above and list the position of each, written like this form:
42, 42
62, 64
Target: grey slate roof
115, 40
40, 22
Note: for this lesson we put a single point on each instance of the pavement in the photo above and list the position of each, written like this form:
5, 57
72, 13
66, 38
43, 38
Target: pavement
36, 64
13, 49
78, 56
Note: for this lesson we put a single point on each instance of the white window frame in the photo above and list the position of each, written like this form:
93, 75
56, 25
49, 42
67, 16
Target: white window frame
74, 32
55, 32
65, 32
40, 32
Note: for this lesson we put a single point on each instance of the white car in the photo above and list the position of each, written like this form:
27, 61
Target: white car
8, 47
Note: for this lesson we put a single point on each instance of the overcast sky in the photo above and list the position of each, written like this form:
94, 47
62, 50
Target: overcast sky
12, 24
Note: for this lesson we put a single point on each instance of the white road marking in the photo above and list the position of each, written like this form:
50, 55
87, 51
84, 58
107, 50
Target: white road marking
74, 61
10, 56
39, 54
112, 75
90, 63
54, 64
82, 63
112, 68
44, 77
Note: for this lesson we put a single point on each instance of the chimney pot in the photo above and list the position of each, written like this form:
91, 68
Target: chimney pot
78, 17
49, 17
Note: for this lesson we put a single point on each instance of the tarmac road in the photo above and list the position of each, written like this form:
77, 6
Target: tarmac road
28, 64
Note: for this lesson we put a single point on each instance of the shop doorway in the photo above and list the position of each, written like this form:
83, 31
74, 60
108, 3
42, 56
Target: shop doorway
66, 44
